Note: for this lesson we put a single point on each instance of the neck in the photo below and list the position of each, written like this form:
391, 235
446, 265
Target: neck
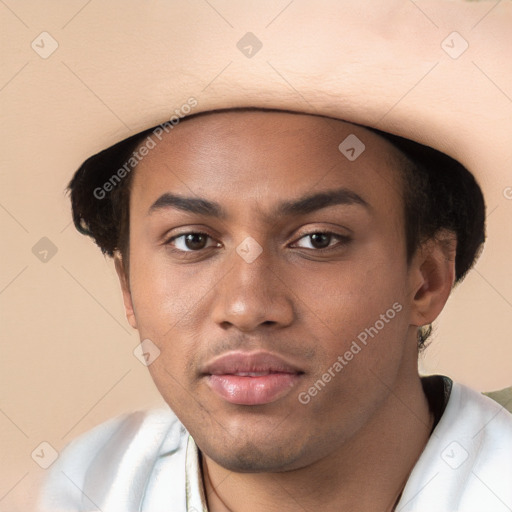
366, 474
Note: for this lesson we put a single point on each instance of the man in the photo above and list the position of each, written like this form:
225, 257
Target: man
282, 287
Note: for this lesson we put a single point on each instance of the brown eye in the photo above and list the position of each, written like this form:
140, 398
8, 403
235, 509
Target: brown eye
189, 242
322, 240
195, 241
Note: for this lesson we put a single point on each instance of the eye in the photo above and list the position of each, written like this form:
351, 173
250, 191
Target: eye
321, 240
190, 242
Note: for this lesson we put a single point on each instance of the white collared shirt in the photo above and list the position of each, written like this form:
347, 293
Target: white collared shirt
147, 462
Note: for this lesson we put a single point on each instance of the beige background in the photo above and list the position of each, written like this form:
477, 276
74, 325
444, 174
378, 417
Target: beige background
67, 351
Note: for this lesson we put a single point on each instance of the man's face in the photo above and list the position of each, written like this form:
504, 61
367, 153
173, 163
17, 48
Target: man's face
249, 340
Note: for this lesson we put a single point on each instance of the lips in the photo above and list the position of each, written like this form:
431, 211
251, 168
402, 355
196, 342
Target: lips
255, 378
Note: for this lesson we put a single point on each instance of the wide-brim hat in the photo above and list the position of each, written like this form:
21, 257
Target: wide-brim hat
77, 79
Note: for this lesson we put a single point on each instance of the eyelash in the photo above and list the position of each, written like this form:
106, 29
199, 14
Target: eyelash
343, 240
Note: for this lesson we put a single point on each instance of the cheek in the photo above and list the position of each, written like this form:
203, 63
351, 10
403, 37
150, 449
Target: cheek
164, 295
171, 304
361, 336
164, 304
363, 318
353, 297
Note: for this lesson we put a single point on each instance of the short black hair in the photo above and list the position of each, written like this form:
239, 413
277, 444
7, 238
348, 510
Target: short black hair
439, 193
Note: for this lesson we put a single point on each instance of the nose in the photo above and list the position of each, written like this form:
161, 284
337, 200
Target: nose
253, 294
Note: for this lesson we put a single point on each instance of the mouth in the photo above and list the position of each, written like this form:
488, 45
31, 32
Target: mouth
255, 378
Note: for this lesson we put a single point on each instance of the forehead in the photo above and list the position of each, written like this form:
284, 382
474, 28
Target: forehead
249, 157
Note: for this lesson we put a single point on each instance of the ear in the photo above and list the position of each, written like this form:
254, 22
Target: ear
125, 288
432, 275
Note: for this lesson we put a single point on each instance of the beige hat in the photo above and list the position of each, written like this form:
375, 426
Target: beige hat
437, 72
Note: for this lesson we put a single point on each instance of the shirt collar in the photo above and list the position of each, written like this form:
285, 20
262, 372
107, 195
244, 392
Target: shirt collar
195, 495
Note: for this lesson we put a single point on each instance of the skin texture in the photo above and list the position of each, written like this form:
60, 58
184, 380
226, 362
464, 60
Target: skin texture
368, 424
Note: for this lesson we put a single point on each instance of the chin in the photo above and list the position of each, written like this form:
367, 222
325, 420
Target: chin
251, 458
254, 450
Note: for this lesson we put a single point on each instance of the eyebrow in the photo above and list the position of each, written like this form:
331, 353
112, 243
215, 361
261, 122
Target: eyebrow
311, 203
301, 206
